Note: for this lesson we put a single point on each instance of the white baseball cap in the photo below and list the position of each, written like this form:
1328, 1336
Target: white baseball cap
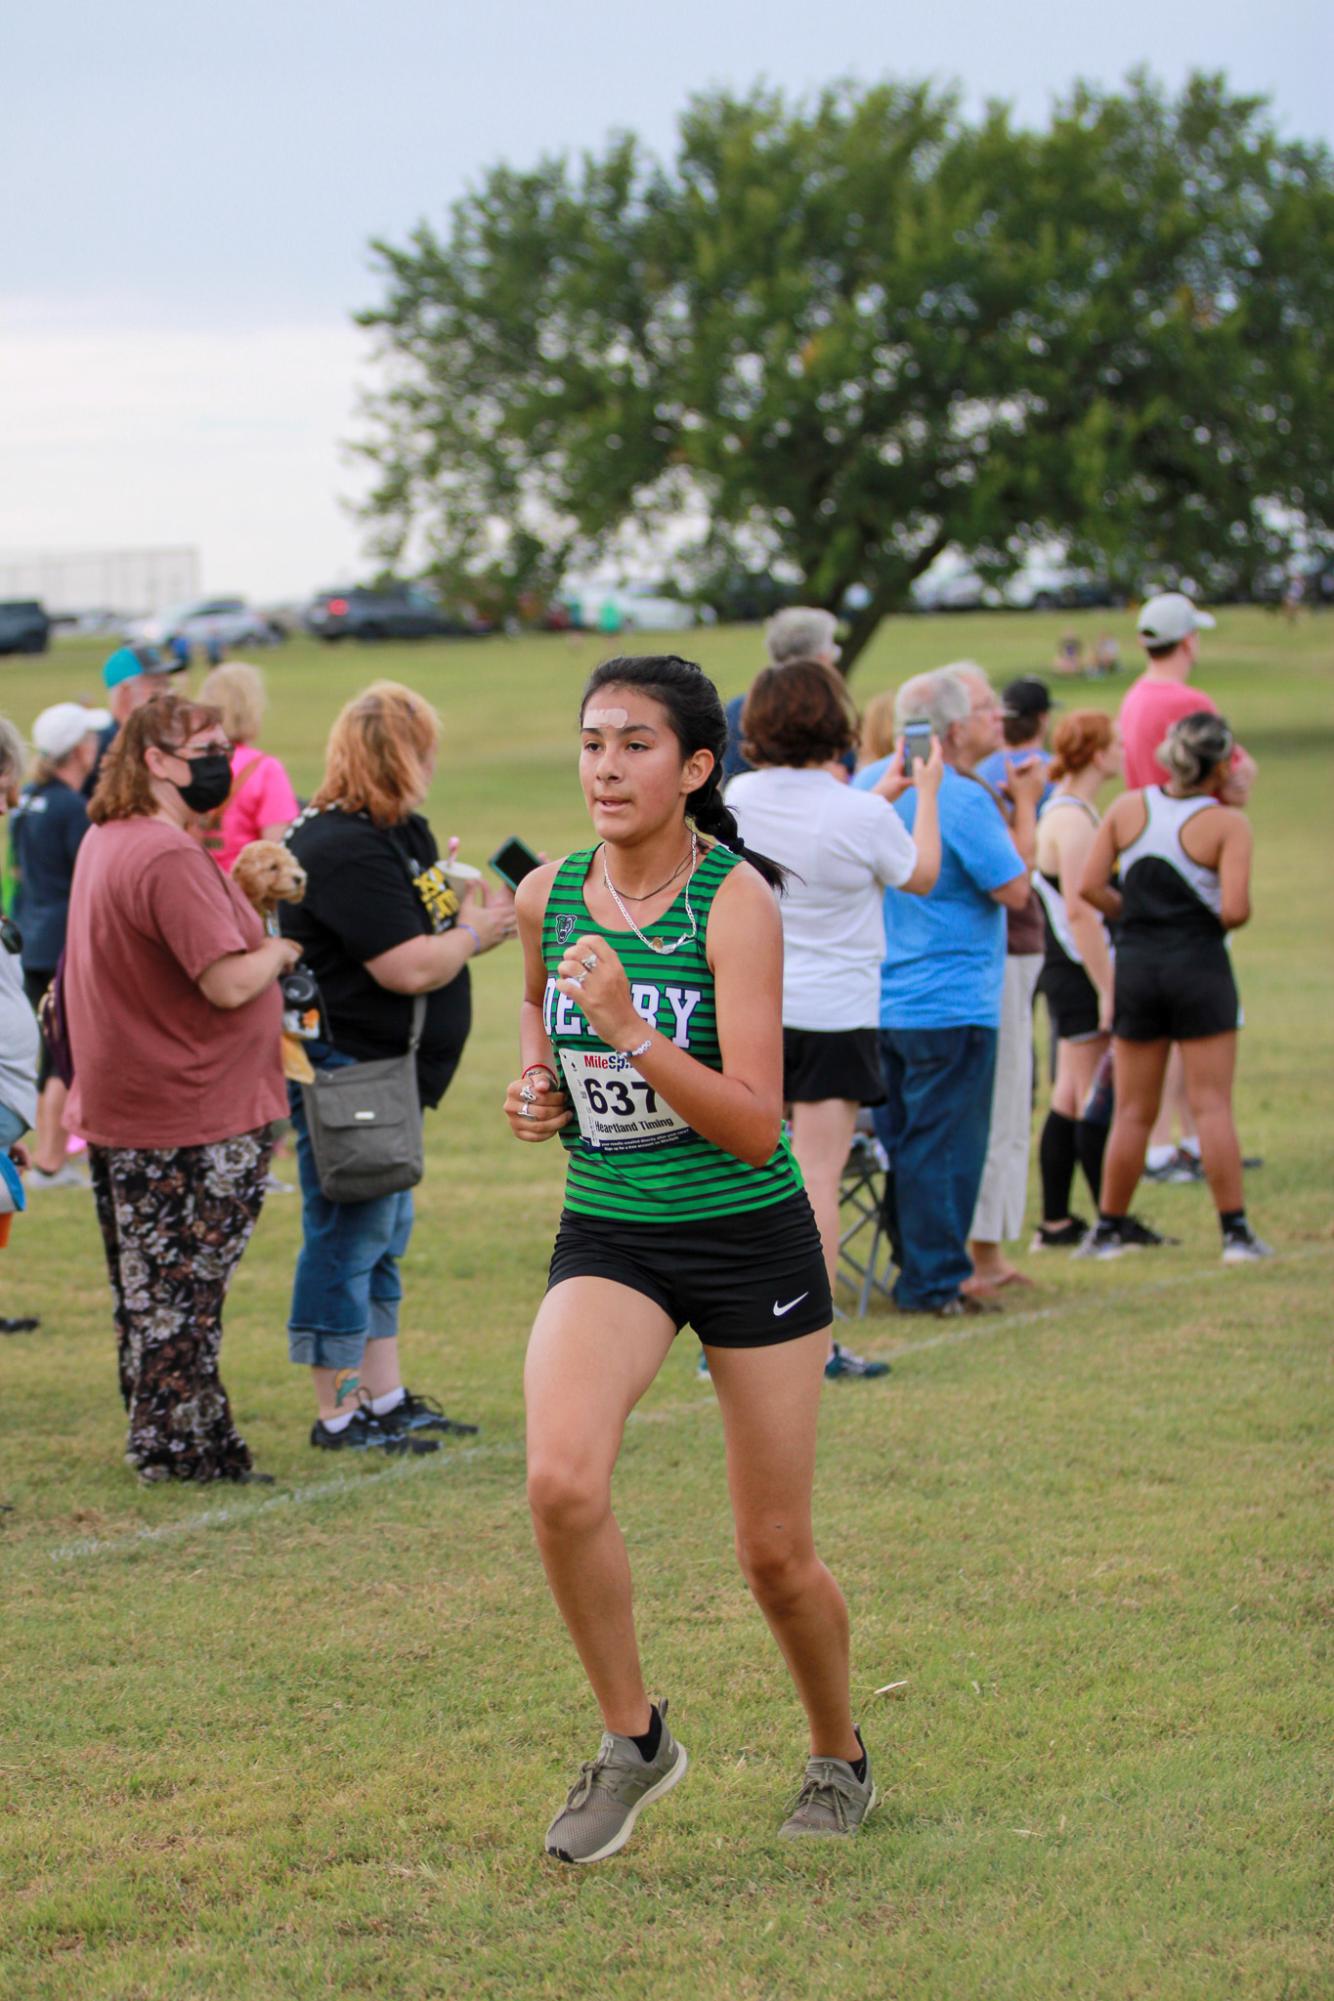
1171, 617
61, 729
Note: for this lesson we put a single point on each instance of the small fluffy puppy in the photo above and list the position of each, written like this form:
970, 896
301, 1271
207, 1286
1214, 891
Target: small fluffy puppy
267, 874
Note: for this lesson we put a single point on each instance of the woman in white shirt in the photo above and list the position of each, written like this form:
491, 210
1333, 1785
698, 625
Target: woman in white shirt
842, 849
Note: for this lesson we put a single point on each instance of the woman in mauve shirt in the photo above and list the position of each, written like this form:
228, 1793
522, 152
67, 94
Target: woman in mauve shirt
174, 1019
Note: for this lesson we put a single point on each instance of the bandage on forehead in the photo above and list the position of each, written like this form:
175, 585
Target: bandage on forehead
606, 719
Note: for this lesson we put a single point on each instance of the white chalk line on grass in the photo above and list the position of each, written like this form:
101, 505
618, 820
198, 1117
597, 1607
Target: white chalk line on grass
983, 1326
290, 1497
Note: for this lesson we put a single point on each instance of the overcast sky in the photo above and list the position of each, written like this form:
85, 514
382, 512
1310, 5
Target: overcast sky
189, 194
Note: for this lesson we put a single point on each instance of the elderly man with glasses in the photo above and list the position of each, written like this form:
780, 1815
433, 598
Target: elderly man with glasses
940, 995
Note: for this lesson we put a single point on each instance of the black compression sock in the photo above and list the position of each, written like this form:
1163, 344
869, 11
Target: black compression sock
859, 1765
1056, 1161
1230, 1220
647, 1745
1091, 1145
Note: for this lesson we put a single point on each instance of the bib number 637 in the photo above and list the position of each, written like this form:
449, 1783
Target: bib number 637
613, 1096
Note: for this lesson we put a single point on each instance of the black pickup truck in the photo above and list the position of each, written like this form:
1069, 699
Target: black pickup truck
405, 613
24, 626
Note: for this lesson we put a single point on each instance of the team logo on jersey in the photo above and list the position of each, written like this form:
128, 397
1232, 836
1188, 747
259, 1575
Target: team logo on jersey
564, 930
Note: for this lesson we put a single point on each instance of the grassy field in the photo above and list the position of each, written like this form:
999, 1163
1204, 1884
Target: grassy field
304, 1741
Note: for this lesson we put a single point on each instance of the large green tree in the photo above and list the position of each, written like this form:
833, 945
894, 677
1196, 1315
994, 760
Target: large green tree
840, 337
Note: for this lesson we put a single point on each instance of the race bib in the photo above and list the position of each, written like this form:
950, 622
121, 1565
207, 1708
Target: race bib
617, 1111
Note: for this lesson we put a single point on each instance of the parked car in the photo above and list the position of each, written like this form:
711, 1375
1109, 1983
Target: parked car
24, 627
406, 611
1053, 587
634, 609
956, 590
644, 611
205, 622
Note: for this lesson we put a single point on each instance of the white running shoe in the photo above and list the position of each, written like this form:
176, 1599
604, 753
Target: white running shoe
1243, 1247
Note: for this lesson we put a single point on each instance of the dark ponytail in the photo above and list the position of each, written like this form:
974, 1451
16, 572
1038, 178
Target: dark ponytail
698, 723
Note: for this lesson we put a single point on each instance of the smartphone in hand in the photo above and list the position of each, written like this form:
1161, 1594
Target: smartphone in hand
916, 745
513, 862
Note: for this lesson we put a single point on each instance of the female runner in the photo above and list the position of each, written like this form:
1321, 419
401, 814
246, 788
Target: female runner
1077, 965
651, 1034
1185, 864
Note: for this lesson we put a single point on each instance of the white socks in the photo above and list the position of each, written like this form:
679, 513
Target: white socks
379, 1406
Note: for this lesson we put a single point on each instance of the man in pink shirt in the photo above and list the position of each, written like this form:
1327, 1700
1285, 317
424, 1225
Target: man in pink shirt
1168, 629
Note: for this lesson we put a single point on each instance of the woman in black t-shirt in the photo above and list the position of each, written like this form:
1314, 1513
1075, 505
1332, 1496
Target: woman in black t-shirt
380, 925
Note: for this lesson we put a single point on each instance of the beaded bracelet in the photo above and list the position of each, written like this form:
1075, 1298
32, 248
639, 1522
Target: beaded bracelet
641, 1049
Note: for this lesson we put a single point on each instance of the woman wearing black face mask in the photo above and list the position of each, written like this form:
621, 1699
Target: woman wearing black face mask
174, 1018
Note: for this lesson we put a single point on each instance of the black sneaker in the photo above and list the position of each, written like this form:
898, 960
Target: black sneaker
1111, 1239
365, 1433
1137, 1236
1067, 1236
1181, 1171
422, 1414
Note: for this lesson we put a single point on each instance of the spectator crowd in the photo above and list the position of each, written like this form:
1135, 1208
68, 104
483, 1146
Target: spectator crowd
947, 872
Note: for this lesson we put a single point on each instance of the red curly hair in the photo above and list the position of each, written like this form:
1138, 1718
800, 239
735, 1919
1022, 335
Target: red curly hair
1077, 740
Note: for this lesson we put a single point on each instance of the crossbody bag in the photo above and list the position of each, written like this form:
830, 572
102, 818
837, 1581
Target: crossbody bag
365, 1124
365, 1121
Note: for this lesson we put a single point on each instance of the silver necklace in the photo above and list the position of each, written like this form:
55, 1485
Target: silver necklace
658, 944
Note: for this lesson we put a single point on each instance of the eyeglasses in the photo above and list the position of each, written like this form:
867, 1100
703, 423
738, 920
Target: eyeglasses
10, 935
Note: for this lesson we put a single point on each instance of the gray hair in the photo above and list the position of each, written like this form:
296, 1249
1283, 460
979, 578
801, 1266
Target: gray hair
939, 698
12, 754
800, 632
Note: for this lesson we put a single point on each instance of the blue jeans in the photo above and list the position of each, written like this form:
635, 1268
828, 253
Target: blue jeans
346, 1289
937, 1116
12, 1127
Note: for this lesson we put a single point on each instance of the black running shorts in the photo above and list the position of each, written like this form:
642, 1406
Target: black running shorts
832, 1063
743, 1281
1072, 1000
1175, 996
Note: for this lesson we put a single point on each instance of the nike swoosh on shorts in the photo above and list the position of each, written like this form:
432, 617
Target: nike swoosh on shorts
779, 1311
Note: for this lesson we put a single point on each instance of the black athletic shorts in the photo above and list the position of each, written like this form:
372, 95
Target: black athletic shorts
1176, 996
836, 1063
744, 1281
1072, 1000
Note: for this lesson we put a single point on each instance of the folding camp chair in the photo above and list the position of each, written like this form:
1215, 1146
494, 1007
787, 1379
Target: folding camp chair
863, 1244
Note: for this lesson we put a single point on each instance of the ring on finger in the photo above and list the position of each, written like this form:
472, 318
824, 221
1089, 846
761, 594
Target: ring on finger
575, 980
590, 960
525, 1111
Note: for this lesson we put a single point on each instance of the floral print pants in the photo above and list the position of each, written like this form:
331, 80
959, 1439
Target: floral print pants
175, 1222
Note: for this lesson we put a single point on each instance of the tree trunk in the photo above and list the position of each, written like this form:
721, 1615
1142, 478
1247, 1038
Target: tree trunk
888, 596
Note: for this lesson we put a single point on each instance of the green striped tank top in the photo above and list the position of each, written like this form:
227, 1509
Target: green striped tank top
630, 1155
